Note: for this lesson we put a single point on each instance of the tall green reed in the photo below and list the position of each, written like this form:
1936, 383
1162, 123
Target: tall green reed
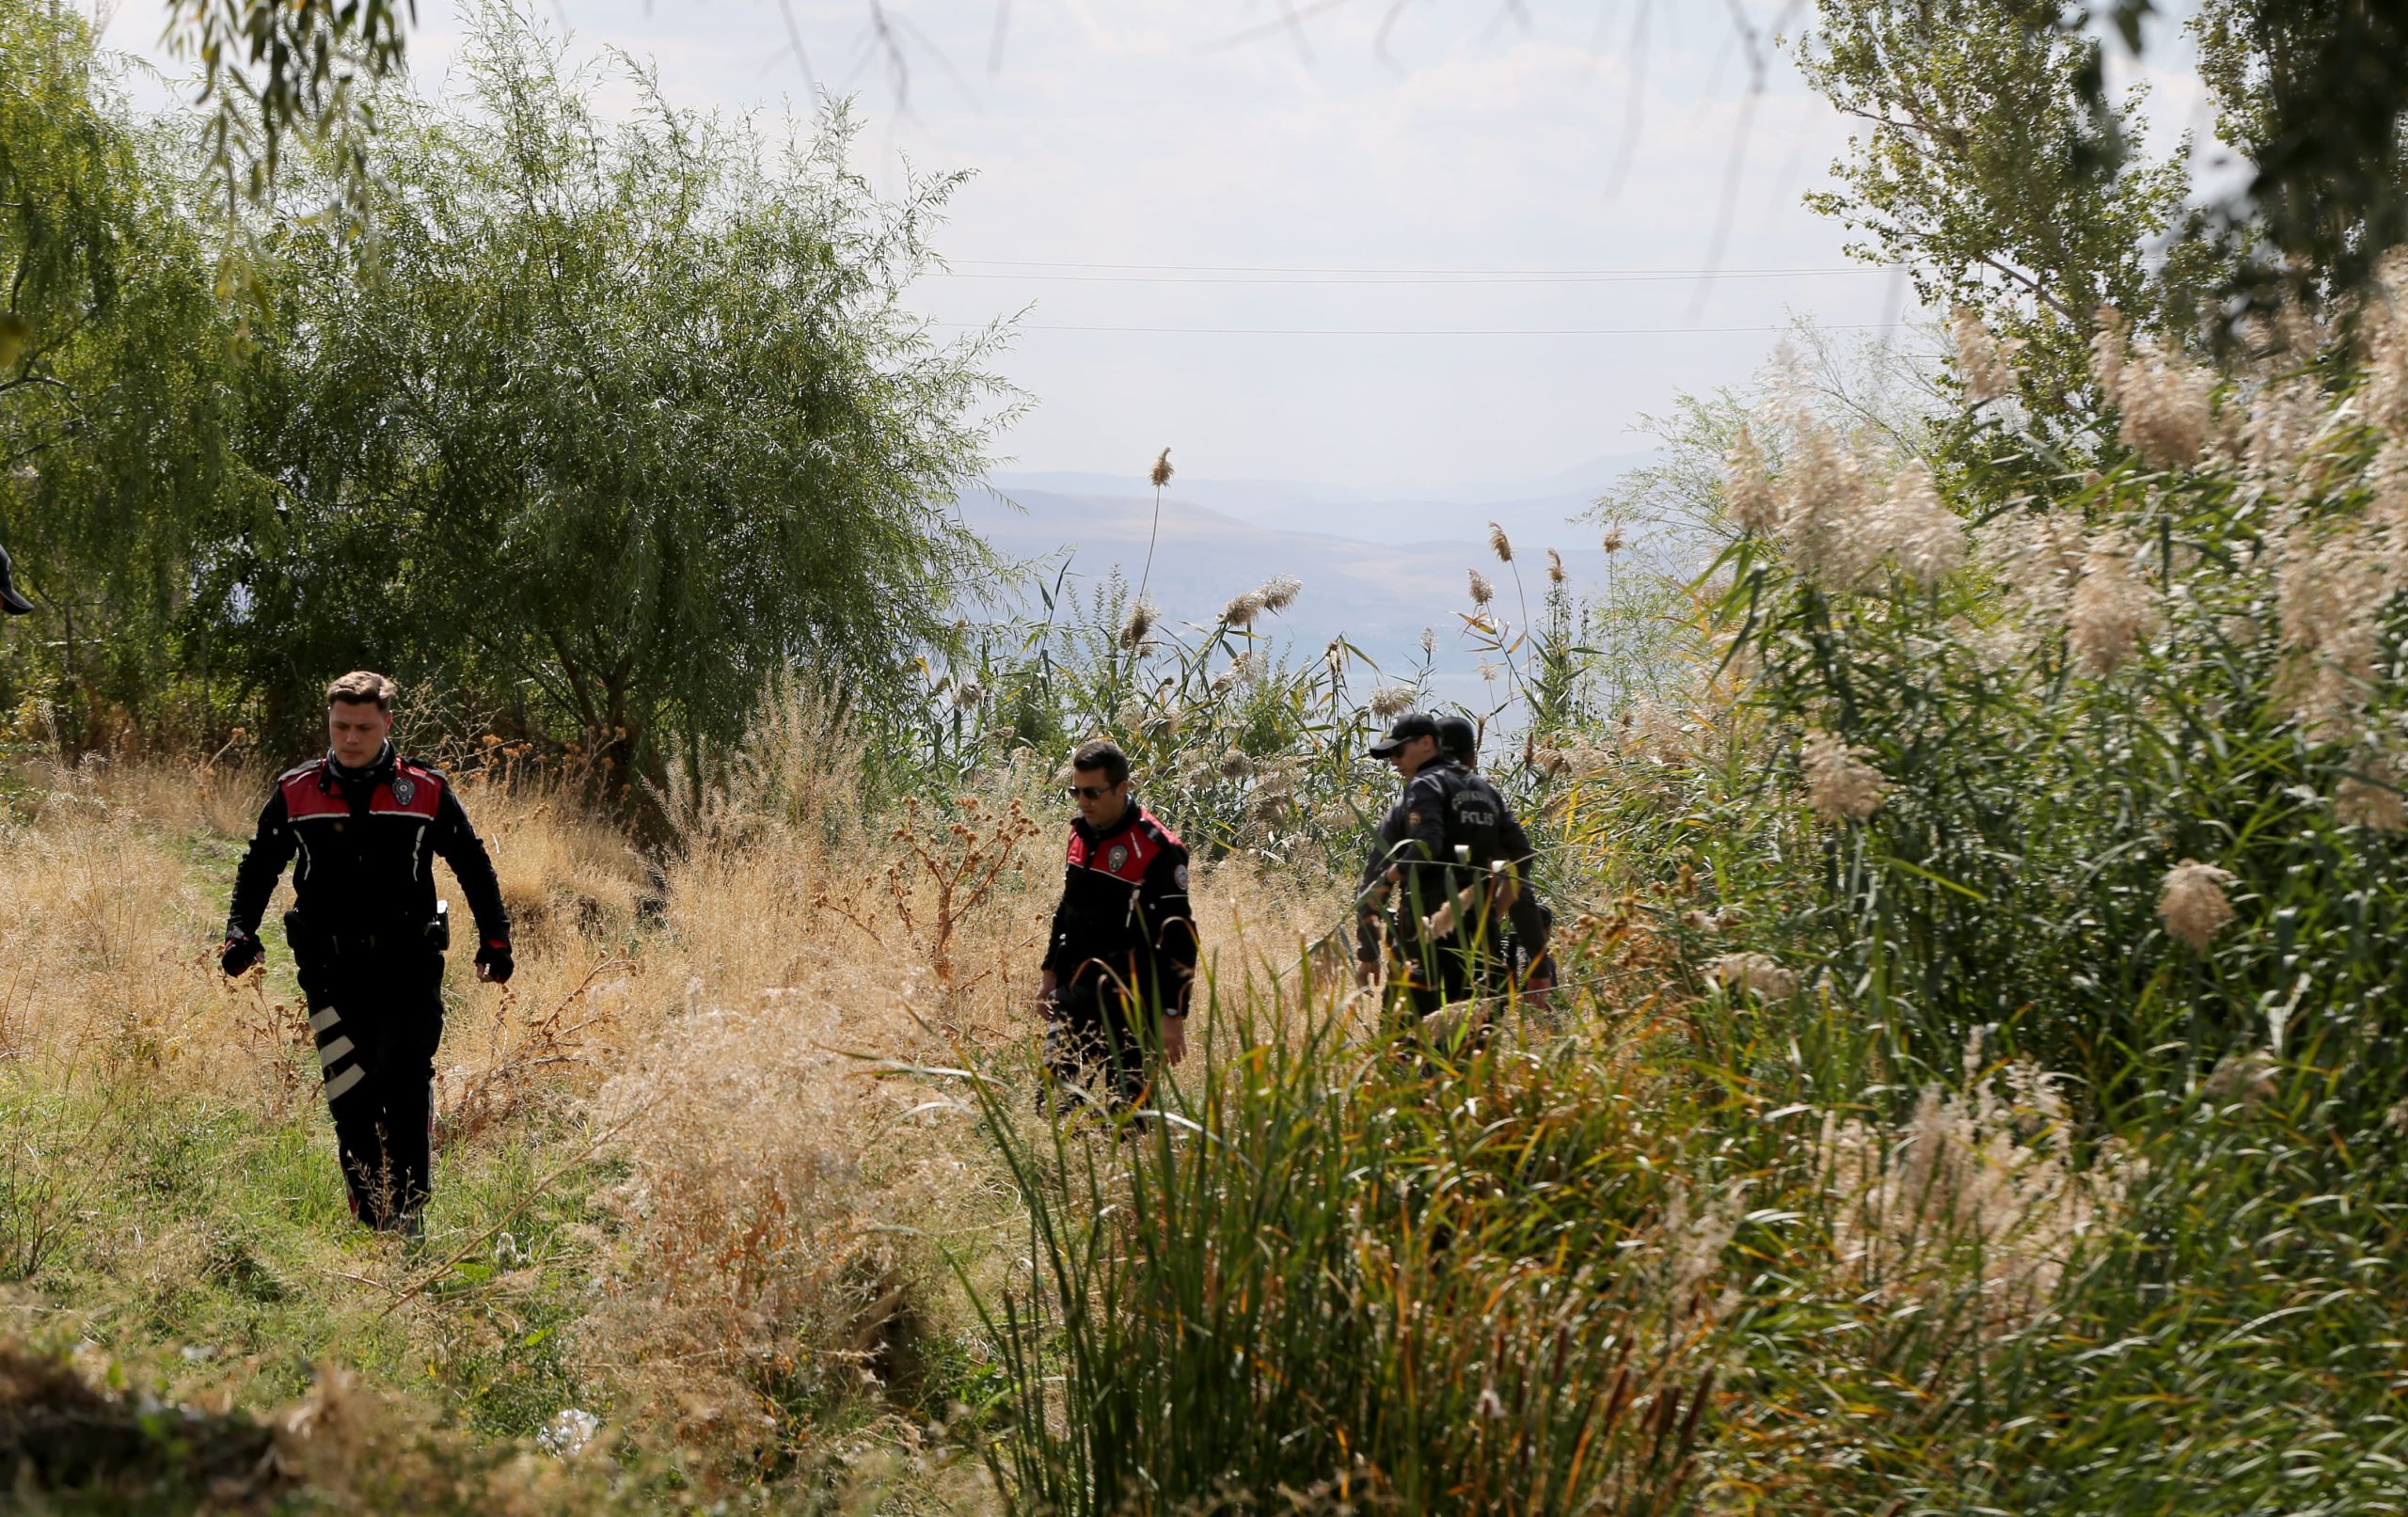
1348, 1268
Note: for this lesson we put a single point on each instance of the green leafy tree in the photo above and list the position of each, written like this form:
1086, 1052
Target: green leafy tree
614, 424
114, 360
1987, 169
2311, 92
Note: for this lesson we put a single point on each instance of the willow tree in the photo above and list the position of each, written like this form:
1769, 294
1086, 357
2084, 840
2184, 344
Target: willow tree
1985, 162
616, 420
115, 356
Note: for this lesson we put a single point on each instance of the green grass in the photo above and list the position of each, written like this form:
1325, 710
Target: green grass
206, 1254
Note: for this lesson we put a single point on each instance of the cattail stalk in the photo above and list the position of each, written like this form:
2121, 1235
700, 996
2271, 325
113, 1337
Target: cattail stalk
1158, 478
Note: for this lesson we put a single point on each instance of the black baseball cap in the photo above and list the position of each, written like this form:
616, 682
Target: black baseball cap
1411, 725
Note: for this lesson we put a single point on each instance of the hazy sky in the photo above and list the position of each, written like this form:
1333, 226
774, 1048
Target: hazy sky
1187, 198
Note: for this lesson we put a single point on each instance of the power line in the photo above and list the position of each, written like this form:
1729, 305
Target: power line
1444, 331
1274, 268
1384, 278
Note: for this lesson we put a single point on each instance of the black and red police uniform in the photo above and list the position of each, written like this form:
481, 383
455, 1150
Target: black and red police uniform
1122, 950
368, 943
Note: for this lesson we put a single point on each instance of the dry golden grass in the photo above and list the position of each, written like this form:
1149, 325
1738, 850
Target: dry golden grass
735, 1028
106, 960
785, 1176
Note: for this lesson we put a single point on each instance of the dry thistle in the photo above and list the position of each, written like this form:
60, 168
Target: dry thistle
1828, 511
2385, 341
2112, 608
2329, 599
1280, 591
1499, 544
1244, 670
1138, 622
1746, 485
1242, 609
1614, 541
2166, 406
1839, 786
2249, 1077
1159, 476
2108, 347
1391, 703
1986, 362
1758, 975
2163, 396
2193, 907
2371, 799
1652, 730
1926, 537
1973, 1184
1482, 590
1555, 574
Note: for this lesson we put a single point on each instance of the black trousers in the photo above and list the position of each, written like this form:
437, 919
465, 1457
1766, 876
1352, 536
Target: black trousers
1430, 976
1094, 1039
1425, 976
377, 1008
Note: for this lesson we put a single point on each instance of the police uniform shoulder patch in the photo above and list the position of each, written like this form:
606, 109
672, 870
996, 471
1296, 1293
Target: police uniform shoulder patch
1153, 825
404, 789
1119, 858
1181, 874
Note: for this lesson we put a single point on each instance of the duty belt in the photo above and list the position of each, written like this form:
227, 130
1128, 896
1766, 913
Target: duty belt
433, 935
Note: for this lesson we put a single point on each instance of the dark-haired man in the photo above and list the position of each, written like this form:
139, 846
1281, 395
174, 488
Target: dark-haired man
1431, 874
368, 935
1120, 959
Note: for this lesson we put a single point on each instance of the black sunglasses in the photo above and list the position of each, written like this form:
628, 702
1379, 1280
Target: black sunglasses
1089, 791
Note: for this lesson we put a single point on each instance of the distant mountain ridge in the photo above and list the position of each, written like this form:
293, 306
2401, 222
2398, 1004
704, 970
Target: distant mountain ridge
1374, 569
1538, 513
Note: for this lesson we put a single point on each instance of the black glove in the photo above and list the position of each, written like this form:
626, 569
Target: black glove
242, 951
493, 957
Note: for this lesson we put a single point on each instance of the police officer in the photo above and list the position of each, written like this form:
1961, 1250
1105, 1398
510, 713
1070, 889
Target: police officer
1120, 959
1429, 873
1529, 922
368, 935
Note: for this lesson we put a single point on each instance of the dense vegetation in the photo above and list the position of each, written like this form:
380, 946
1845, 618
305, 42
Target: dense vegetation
1975, 1083
605, 426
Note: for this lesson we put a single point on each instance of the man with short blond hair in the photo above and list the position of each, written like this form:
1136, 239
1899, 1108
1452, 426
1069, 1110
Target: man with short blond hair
368, 935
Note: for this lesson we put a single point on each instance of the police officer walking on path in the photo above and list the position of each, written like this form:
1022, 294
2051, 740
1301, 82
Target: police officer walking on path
368, 936
1441, 871
1120, 959
1529, 922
